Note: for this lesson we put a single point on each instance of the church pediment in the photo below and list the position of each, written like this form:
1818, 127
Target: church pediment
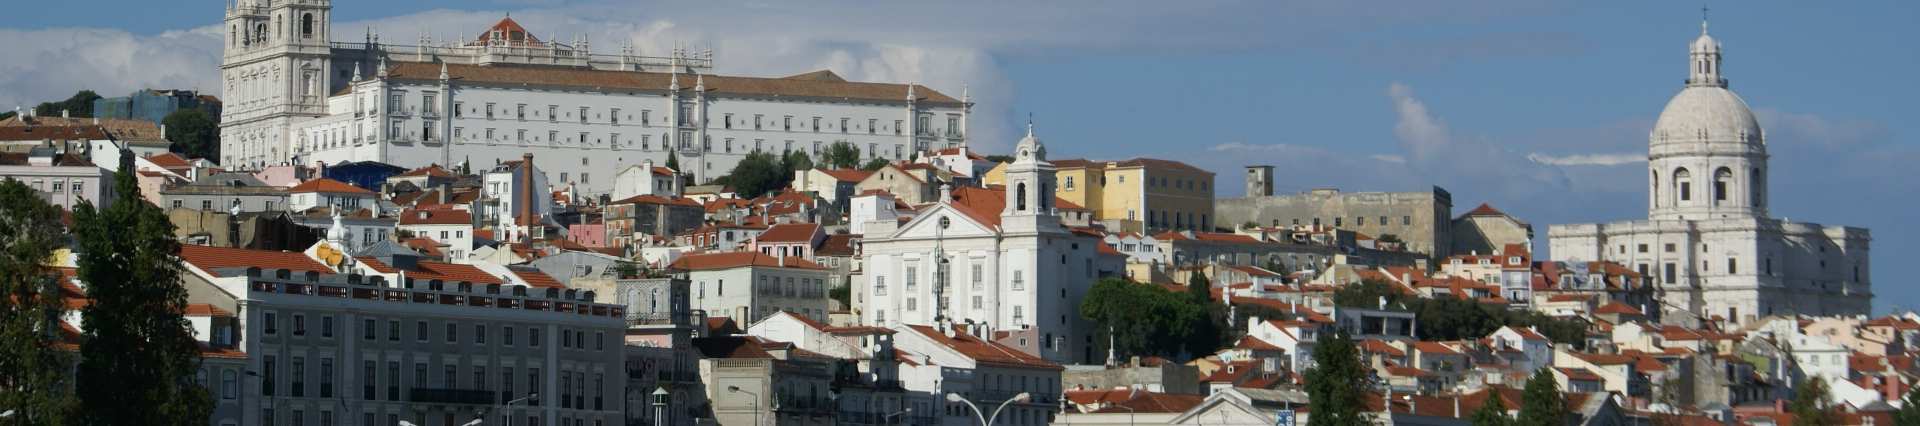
958, 224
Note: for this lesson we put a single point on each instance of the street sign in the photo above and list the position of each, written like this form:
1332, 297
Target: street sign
1283, 418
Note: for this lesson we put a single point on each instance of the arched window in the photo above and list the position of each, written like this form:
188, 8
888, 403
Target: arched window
1681, 187
260, 32
1757, 184
233, 35
1020, 197
306, 25
1722, 183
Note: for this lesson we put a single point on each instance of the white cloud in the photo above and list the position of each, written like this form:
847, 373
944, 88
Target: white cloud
1587, 159
1785, 127
1389, 158
1419, 131
50, 64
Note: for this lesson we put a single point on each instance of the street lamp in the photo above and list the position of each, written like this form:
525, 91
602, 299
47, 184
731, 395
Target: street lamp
986, 420
504, 409
886, 418
756, 402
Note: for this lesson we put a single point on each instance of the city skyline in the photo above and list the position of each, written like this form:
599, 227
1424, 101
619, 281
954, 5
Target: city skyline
1524, 106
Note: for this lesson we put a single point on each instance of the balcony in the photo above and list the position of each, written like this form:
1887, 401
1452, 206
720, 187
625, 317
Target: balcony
451, 396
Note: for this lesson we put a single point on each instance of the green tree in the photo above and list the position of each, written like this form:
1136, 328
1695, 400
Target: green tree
138, 355
1541, 403
1144, 319
1909, 413
874, 164
793, 161
1199, 288
1810, 406
1367, 294
841, 155
1336, 382
756, 175
78, 105
193, 133
673, 161
31, 308
1492, 413
841, 293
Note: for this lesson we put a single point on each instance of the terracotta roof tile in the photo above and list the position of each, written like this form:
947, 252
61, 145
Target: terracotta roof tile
727, 260
517, 76
788, 233
436, 217
206, 310
210, 258
445, 272
984, 351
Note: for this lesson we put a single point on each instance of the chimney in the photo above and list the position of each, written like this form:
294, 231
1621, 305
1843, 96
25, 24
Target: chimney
526, 191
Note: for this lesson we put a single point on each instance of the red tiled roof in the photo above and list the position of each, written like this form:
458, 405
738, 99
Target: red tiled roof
984, 351
445, 272
788, 233
328, 186
730, 347
1380, 347
211, 258
727, 260
510, 31
436, 217
206, 310
655, 199
433, 170
624, 81
1578, 374
847, 175
536, 279
1434, 347
1617, 308
1485, 210
424, 245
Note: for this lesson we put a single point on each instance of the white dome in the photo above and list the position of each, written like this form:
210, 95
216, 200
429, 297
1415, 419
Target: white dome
1717, 110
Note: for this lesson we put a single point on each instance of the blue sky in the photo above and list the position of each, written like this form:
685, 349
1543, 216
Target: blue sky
1540, 107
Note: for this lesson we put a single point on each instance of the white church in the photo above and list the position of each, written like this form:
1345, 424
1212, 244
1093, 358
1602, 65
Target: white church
997, 258
294, 95
1707, 240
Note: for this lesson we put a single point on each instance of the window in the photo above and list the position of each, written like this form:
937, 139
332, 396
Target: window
206, 204
879, 286
1018, 283
367, 379
1732, 266
816, 127
896, 127
453, 332
913, 304
393, 380
583, 115
1671, 275
229, 384
299, 377
1669, 247
506, 336
533, 337
326, 326
326, 377
299, 325
613, 116
913, 278
420, 331
480, 334
272, 325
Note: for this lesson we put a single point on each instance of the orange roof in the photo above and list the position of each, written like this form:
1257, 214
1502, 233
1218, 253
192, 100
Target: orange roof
655, 199
728, 260
1578, 374
984, 351
206, 310
210, 258
788, 233
436, 217
446, 272
1434, 347
510, 31
536, 279
170, 161
847, 175
1485, 210
1617, 308
329, 186
1380, 347
433, 170
612, 80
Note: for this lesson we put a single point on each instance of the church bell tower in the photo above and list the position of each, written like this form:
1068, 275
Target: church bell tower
274, 72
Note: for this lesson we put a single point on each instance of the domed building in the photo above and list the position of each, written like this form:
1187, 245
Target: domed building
1707, 241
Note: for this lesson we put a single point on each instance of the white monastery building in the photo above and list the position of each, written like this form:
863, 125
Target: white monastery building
1707, 239
295, 96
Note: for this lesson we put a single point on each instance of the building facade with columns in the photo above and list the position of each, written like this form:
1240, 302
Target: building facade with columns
295, 96
996, 258
1708, 241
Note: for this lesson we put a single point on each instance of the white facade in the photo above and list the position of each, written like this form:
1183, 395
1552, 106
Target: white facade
1708, 241
583, 114
1011, 266
645, 179
328, 347
748, 293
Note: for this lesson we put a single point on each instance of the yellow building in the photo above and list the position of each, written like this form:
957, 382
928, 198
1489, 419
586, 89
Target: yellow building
1137, 195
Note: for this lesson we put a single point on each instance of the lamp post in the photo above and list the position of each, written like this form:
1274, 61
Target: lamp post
886, 418
756, 402
986, 420
505, 409
660, 406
